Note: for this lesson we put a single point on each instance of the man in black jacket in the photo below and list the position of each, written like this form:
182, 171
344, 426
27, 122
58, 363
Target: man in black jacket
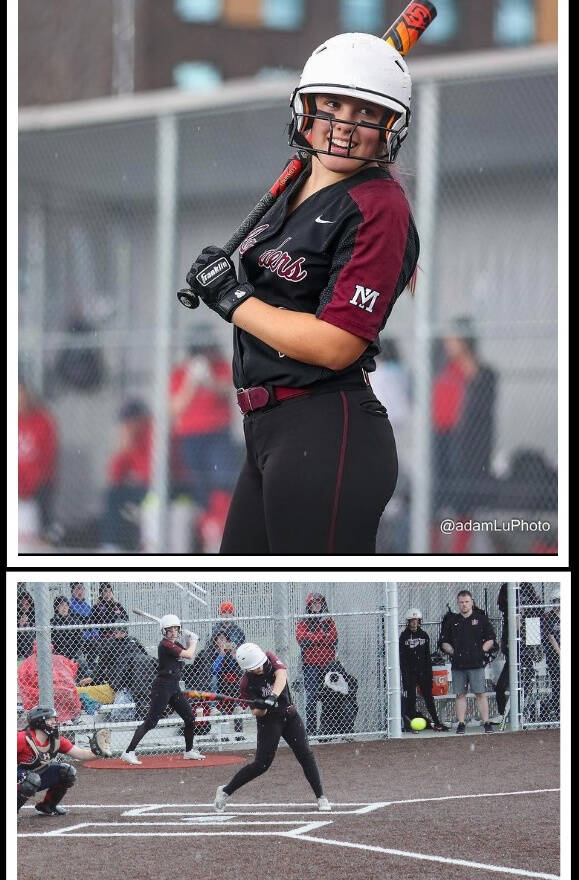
129, 669
416, 669
466, 637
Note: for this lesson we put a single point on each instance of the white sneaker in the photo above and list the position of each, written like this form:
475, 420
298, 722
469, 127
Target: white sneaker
194, 755
220, 799
324, 805
130, 758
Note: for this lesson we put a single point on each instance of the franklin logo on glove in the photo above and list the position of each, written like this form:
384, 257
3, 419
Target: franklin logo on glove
213, 278
212, 272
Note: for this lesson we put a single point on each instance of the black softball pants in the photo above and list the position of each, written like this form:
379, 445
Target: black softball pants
270, 729
318, 475
410, 680
163, 694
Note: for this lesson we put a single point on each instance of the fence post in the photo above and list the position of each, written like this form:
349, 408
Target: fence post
281, 621
426, 190
512, 598
393, 661
42, 615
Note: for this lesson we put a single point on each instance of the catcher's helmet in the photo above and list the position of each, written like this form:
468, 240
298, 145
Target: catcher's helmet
356, 66
169, 620
39, 715
250, 656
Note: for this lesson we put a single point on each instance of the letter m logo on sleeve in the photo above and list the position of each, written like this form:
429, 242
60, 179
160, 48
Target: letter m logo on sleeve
364, 297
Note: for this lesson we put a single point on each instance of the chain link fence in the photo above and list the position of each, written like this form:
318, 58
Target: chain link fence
115, 201
342, 655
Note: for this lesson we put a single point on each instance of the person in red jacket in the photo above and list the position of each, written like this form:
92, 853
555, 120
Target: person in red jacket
317, 637
129, 475
37, 454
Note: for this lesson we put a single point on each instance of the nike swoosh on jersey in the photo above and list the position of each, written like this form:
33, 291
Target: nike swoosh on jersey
319, 220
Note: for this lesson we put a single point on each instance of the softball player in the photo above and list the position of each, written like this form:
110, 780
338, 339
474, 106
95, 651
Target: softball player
319, 277
166, 691
265, 681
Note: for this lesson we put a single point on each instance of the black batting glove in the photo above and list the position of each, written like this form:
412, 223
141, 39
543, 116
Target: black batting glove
259, 704
271, 701
214, 279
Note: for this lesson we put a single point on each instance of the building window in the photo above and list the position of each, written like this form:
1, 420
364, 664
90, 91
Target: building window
445, 26
514, 22
198, 10
194, 76
283, 14
362, 16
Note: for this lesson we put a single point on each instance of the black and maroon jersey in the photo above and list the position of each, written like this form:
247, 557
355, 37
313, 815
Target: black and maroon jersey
345, 255
252, 686
170, 666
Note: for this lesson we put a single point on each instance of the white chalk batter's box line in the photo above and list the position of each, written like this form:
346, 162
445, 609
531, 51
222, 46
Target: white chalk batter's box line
302, 831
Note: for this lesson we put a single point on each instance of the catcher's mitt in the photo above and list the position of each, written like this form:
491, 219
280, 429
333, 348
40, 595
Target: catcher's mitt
100, 743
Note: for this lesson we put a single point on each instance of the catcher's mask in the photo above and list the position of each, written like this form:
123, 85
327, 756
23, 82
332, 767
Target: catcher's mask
39, 715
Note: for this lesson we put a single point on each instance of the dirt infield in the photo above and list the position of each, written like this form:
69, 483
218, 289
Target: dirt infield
438, 808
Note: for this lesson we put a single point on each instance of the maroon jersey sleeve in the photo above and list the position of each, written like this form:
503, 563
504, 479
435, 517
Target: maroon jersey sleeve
276, 663
173, 648
373, 262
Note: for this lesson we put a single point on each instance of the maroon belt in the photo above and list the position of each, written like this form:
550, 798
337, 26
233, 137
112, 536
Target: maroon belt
250, 399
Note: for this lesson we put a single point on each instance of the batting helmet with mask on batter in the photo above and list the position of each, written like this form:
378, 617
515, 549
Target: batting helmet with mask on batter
250, 656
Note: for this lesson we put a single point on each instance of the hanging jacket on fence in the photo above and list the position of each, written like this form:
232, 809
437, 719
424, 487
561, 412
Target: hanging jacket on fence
338, 698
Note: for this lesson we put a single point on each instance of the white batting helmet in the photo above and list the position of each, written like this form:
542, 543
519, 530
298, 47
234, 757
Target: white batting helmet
250, 656
414, 614
356, 66
169, 620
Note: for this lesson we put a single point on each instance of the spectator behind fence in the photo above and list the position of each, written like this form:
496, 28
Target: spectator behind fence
65, 641
128, 670
80, 612
226, 677
463, 414
551, 641
129, 476
466, 637
416, 669
202, 417
25, 617
502, 684
37, 465
231, 630
107, 610
66, 699
317, 638
530, 649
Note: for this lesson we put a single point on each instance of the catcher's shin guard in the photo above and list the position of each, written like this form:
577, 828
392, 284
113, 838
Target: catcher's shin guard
27, 788
55, 793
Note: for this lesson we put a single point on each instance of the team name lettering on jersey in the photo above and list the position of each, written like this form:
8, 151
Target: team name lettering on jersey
364, 297
251, 239
283, 264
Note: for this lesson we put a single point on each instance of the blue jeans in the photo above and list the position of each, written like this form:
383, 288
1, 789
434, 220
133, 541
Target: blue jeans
313, 680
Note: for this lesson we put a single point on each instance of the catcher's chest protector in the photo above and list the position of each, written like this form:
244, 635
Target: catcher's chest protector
42, 754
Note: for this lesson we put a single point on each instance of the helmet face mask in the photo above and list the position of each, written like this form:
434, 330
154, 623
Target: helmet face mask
37, 719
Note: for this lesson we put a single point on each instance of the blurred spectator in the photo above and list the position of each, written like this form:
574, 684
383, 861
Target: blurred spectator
530, 650
551, 641
502, 684
226, 677
391, 384
231, 630
65, 641
416, 669
37, 463
25, 617
127, 668
463, 413
80, 612
66, 699
202, 415
466, 637
317, 637
129, 474
107, 610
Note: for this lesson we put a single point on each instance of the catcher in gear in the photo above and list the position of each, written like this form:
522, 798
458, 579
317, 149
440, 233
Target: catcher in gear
38, 770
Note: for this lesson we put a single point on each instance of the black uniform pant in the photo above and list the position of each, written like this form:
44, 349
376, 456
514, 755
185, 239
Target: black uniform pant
163, 694
318, 475
270, 729
410, 680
